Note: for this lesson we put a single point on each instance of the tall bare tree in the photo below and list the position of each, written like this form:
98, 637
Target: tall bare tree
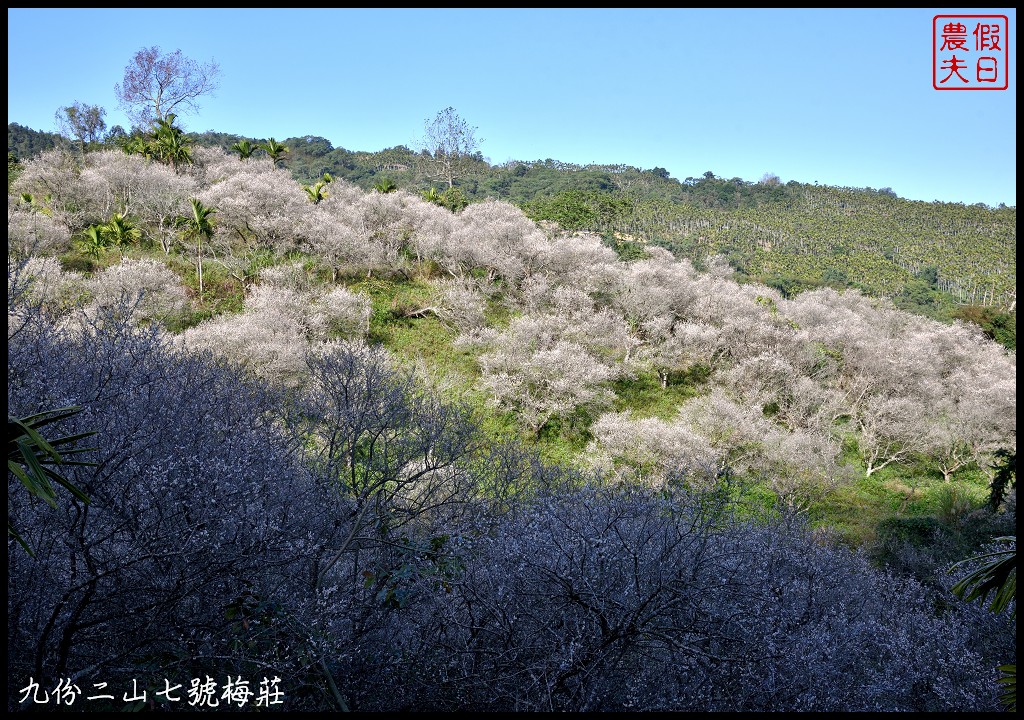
451, 142
156, 84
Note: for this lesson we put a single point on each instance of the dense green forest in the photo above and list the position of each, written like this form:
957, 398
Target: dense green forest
553, 437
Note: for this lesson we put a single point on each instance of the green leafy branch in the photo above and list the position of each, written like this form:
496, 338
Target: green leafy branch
997, 574
31, 457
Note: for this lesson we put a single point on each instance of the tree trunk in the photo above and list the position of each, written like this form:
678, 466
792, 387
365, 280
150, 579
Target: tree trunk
199, 267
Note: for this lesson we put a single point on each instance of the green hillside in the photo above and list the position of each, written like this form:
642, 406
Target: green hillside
792, 236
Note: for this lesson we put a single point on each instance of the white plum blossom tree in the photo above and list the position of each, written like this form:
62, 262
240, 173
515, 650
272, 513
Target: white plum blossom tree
259, 207
647, 450
50, 179
280, 324
42, 282
31, 232
548, 365
147, 288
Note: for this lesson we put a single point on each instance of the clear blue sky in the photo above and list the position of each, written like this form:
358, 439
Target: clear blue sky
840, 97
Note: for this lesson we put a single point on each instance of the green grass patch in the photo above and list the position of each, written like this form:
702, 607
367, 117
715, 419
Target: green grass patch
420, 339
391, 299
497, 313
75, 261
563, 438
428, 341
898, 501
644, 397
